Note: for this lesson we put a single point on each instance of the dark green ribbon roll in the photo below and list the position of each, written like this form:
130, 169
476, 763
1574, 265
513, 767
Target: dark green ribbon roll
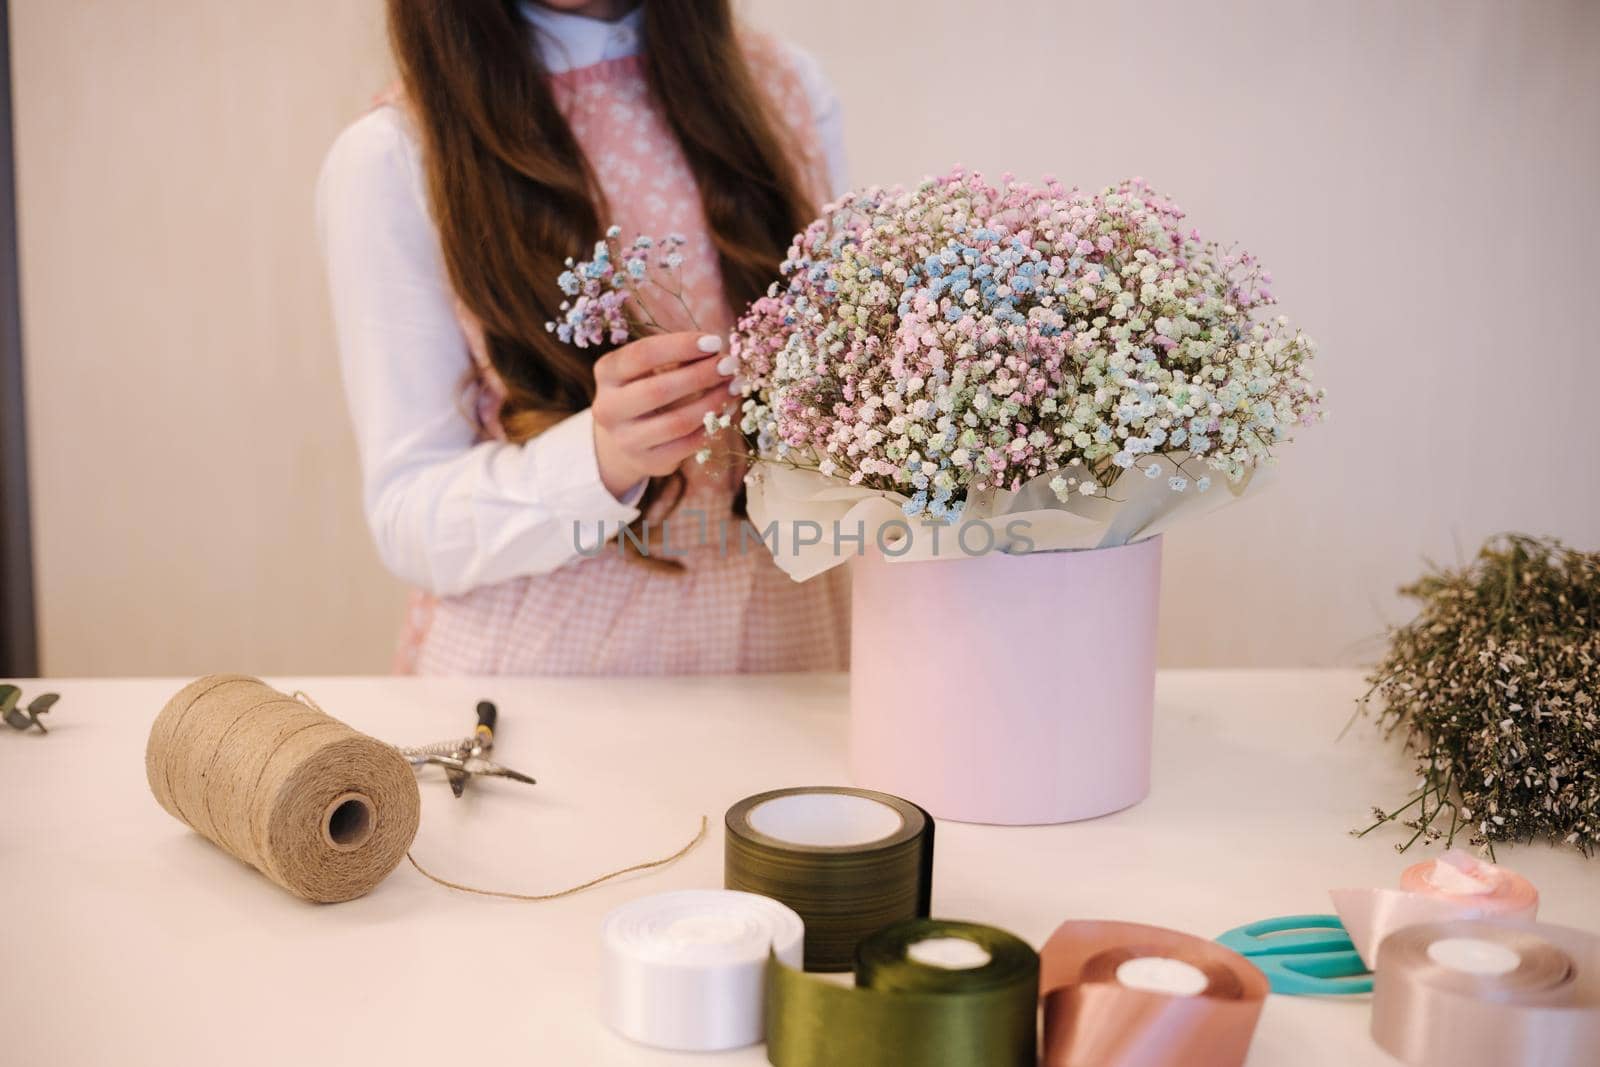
843, 892
903, 1013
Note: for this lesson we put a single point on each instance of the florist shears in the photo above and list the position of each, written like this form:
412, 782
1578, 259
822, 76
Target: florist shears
468, 756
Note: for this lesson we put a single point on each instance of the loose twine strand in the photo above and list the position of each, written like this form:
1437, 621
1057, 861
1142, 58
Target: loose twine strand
590, 884
700, 835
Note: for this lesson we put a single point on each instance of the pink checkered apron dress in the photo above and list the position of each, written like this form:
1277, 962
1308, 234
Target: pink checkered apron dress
727, 611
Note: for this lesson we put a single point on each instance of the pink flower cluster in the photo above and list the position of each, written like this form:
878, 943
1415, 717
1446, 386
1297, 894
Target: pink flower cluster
962, 336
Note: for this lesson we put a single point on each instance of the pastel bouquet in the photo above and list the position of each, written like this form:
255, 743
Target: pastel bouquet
962, 351
1030, 370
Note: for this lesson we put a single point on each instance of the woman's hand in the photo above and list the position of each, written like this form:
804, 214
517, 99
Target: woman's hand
651, 400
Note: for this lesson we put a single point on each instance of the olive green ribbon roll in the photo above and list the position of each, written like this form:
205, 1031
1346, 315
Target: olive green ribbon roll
904, 1012
849, 861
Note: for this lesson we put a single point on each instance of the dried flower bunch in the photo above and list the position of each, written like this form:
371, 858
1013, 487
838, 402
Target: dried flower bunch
961, 337
1495, 688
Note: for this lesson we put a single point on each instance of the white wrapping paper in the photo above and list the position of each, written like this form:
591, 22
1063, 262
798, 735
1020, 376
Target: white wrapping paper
798, 512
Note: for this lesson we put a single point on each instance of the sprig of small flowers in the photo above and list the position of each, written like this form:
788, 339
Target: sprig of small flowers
605, 289
1494, 688
960, 336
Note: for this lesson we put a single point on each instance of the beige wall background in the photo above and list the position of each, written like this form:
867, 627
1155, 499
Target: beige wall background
1420, 178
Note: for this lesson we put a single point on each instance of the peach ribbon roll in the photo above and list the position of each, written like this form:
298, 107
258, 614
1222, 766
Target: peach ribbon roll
1128, 995
1456, 885
1488, 993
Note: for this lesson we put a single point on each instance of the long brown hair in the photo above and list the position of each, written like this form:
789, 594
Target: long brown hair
513, 195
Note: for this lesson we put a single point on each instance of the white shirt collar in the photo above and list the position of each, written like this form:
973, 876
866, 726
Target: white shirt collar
571, 42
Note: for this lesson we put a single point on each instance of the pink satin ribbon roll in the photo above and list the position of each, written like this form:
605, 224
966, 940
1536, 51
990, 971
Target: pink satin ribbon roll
1456, 885
1093, 1017
1482, 993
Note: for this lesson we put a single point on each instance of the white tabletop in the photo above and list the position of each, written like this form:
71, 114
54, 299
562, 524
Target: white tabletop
130, 940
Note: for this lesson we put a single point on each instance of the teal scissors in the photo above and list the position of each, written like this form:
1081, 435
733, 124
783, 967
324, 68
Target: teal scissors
1302, 955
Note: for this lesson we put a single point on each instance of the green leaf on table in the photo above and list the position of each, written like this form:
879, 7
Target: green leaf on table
39, 705
25, 718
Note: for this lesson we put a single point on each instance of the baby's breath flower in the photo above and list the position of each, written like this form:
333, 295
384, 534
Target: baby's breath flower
609, 300
962, 336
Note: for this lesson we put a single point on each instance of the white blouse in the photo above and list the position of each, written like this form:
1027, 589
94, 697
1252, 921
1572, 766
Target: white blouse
450, 513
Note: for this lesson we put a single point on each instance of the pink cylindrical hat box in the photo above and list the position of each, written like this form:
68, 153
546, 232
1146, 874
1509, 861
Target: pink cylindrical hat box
1006, 689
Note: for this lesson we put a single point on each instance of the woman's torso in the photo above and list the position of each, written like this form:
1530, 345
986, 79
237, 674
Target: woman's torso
726, 608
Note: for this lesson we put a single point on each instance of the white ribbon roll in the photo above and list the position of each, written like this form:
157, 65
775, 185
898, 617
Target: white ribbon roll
687, 970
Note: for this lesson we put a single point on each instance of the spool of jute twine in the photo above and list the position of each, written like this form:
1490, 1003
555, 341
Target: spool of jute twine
323, 810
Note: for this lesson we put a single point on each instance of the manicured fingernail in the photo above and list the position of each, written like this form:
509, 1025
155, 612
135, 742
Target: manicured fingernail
727, 364
709, 343
736, 387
